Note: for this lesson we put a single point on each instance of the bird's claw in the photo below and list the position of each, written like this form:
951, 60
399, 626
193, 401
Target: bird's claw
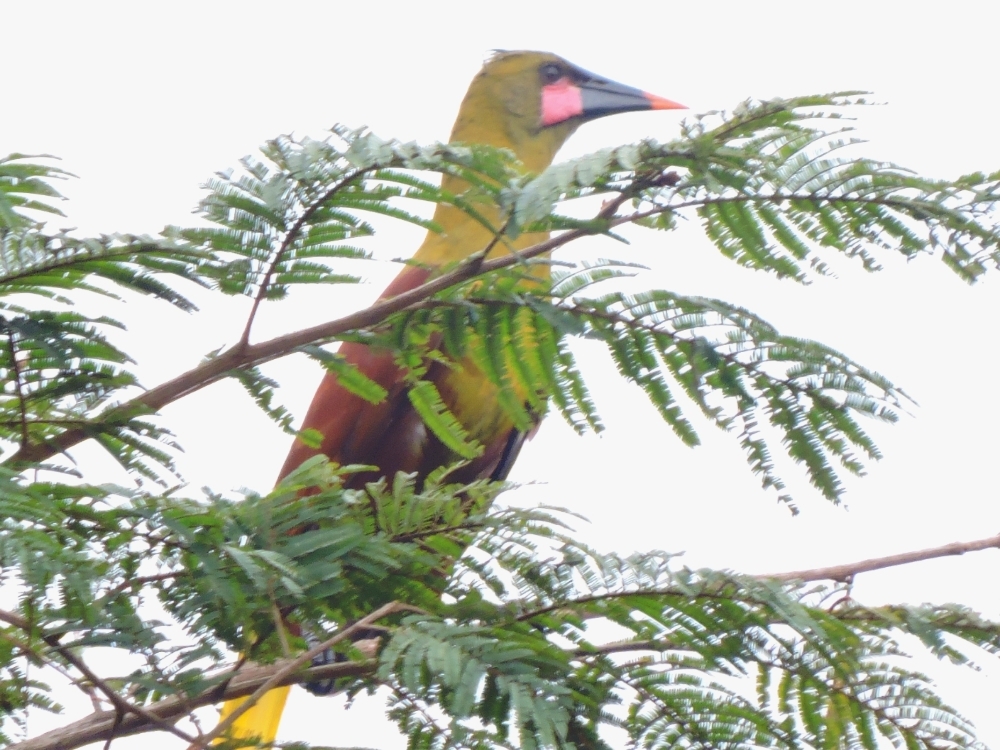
324, 657
366, 640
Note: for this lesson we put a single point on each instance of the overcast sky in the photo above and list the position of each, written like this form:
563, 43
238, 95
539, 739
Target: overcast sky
144, 101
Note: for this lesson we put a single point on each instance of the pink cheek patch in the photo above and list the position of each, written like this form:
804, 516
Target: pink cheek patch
560, 101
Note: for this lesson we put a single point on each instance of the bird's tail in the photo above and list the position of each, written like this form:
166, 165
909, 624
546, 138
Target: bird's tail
260, 721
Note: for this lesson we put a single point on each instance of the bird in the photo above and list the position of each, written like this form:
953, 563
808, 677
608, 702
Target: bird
527, 102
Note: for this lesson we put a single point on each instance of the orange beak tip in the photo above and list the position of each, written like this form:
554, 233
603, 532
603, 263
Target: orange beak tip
658, 102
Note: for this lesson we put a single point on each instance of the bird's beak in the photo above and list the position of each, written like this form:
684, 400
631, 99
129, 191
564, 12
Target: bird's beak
593, 98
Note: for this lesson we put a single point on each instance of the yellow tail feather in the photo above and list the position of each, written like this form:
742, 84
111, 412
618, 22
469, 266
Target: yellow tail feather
262, 720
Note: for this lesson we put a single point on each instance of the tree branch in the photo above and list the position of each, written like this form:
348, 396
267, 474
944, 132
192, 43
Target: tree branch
123, 707
842, 573
257, 680
11, 618
847, 571
104, 725
239, 356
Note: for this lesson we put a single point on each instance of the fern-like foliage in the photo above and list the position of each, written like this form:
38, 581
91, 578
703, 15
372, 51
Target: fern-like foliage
737, 369
27, 186
773, 194
773, 184
59, 368
775, 189
508, 648
700, 659
283, 219
502, 642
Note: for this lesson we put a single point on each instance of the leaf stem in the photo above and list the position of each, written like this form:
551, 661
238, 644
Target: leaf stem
286, 244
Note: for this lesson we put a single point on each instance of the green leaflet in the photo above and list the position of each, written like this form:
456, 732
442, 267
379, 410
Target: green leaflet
350, 377
25, 186
262, 391
526, 364
724, 358
427, 401
491, 351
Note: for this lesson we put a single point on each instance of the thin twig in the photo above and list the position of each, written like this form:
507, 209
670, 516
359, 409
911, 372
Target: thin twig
30, 652
847, 571
832, 573
131, 583
290, 237
11, 618
279, 626
122, 706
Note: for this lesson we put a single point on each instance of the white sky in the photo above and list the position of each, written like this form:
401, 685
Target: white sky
144, 101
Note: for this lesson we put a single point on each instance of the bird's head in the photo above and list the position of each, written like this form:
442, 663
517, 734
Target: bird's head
531, 102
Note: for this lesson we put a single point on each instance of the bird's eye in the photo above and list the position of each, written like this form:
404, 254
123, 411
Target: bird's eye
551, 73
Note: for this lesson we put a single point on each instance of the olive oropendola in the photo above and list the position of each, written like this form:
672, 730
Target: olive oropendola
530, 103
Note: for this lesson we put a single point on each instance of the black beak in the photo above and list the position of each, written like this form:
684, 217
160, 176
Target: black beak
602, 97
588, 97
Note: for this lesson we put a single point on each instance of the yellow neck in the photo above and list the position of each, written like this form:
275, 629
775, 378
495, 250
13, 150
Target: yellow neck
491, 114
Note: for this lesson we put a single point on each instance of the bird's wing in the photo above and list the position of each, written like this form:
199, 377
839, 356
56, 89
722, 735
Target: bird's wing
391, 434
352, 427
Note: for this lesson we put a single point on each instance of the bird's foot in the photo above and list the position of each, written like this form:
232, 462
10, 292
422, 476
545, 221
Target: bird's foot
366, 640
324, 657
